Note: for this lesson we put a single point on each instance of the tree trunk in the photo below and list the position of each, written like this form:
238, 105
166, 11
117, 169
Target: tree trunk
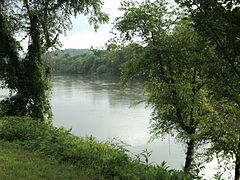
189, 155
237, 164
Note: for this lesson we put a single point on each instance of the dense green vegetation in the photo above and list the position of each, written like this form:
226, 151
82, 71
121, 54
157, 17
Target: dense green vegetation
187, 57
88, 62
173, 74
92, 62
190, 63
103, 159
222, 72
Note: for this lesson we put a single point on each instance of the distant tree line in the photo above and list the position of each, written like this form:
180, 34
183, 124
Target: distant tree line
88, 61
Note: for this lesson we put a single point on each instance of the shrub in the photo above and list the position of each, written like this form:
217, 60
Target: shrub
107, 158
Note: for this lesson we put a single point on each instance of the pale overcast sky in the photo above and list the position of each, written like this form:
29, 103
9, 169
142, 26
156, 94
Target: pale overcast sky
83, 35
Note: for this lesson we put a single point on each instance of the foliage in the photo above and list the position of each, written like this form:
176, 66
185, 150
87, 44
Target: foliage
93, 61
71, 52
170, 60
107, 159
217, 22
87, 63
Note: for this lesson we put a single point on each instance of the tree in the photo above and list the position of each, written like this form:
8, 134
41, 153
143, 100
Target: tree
218, 22
117, 55
41, 22
169, 59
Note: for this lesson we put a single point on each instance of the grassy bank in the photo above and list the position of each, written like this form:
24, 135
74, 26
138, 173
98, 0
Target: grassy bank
17, 163
108, 160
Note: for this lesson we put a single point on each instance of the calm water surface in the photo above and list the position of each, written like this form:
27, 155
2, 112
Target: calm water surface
96, 106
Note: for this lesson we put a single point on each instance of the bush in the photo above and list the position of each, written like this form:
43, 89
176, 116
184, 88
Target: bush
108, 159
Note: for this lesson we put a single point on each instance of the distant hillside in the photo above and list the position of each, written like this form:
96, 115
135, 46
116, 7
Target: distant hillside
71, 52
90, 61
84, 61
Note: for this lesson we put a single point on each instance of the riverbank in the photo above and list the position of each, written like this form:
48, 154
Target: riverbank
17, 163
109, 160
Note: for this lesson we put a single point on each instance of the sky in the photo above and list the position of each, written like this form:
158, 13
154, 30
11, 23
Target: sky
82, 35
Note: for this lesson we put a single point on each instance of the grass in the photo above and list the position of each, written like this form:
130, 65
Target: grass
17, 163
87, 156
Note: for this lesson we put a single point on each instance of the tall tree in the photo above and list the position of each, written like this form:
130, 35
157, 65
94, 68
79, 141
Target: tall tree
218, 21
40, 22
170, 62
